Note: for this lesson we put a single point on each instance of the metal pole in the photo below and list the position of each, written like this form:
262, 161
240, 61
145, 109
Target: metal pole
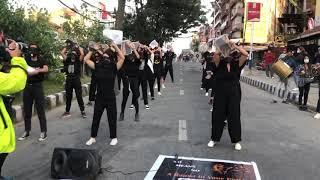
251, 47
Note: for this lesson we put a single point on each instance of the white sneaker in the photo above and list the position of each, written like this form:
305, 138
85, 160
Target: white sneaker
317, 116
156, 86
91, 141
114, 142
295, 89
147, 107
163, 87
132, 106
201, 89
159, 93
211, 144
149, 93
211, 109
237, 146
207, 94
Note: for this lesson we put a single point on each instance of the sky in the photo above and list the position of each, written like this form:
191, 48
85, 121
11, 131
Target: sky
178, 44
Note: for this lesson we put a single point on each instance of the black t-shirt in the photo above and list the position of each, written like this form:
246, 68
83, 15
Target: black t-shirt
168, 57
221, 72
36, 64
73, 63
158, 62
105, 72
131, 65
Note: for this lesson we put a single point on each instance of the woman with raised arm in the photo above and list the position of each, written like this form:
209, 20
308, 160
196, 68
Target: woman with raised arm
110, 61
227, 96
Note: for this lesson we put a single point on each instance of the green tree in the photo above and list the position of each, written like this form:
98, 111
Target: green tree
162, 19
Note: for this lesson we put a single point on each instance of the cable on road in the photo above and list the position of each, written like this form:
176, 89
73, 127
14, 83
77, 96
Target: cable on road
126, 173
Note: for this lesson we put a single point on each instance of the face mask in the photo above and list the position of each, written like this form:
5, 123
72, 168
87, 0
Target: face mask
306, 60
34, 52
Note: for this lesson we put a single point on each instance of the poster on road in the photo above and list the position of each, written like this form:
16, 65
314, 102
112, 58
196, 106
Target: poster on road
188, 168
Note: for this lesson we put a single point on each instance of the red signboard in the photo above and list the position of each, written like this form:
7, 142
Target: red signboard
254, 10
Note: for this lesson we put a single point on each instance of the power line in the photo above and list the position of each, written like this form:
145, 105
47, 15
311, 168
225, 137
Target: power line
101, 10
80, 13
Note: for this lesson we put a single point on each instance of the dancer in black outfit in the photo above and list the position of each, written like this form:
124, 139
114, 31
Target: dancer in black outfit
158, 67
72, 59
93, 83
168, 58
145, 76
131, 70
106, 71
227, 97
208, 72
33, 93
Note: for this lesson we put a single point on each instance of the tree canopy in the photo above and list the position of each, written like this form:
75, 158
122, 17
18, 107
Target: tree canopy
162, 19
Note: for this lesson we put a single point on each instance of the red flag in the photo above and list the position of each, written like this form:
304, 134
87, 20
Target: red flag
104, 12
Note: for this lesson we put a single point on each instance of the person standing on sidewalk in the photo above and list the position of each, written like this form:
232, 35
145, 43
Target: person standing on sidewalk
72, 59
12, 81
268, 59
227, 97
304, 81
33, 93
317, 62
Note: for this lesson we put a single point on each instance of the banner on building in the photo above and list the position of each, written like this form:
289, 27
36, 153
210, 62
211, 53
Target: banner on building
187, 168
254, 10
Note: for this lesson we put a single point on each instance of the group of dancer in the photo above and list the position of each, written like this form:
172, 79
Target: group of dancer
222, 75
111, 65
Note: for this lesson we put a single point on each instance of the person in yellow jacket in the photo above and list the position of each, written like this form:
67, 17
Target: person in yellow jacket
10, 83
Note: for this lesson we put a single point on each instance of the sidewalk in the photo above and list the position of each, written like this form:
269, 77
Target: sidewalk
259, 80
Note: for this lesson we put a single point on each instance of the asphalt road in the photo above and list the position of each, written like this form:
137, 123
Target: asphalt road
283, 141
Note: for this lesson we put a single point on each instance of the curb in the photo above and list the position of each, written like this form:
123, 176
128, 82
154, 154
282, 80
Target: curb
293, 97
51, 101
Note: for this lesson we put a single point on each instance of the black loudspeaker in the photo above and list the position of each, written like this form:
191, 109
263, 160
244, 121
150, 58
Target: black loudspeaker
70, 163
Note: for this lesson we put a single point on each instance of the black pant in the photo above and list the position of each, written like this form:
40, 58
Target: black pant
150, 79
158, 74
227, 106
170, 69
3, 157
73, 83
100, 105
34, 93
135, 92
304, 92
203, 78
143, 82
318, 105
93, 89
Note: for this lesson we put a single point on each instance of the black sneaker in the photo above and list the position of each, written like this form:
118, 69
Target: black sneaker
152, 98
89, 103
137, 118
83, 114
24, 136
43, 136
121, 117
285, 102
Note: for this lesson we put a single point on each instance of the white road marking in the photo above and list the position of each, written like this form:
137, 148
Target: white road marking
183, 130
181, 92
